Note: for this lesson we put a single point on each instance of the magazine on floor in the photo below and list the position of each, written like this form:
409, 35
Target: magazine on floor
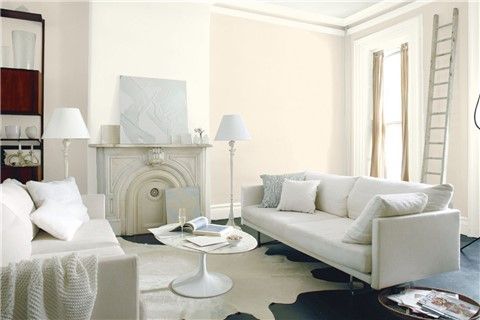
448, 306
434, 304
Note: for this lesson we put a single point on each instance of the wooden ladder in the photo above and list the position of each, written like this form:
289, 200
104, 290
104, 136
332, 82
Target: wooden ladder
435, 150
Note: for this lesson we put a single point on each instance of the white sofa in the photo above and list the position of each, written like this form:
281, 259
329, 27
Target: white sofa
403, 249
118, 292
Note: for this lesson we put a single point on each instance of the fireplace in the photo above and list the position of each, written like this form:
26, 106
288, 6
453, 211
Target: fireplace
134, 179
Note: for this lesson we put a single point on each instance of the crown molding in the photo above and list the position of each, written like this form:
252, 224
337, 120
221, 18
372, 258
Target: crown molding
388, 16
364, 19
278, 21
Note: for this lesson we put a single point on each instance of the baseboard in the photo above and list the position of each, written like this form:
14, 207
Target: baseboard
221, 211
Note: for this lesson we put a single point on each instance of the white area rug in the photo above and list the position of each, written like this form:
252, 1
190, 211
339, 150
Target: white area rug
258, 279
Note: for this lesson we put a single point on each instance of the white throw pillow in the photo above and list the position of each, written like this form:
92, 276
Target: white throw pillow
332, 192
388, 205
298, 196
64, 192
52, 218
16, 198
366, 188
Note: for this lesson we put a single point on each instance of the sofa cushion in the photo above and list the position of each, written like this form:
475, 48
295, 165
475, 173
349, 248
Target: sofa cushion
51, 217
332, 192
95, 233
298, 196
113, 250
17, 199
64, 192
382, 206
271, 219
15, 241
366, 188
323, 237
272, 187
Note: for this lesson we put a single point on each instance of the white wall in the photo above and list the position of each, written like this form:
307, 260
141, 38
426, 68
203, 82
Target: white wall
66, 77
288, 84
146, 39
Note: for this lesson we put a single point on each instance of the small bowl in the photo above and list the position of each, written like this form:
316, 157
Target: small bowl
234, 240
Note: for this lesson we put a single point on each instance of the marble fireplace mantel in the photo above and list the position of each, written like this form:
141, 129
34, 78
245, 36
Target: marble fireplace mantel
134, 177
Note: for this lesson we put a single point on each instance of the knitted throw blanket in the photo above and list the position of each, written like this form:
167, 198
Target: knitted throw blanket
54, 288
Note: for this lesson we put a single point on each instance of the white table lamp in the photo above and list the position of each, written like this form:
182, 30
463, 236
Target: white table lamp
231, 129
66, 124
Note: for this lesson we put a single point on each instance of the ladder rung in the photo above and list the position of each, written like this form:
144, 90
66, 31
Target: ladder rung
434, 173
435, 158
445, 25
443, 54
443, 68
437, 113
437, 128
439, 98
444, 39
440, 83
435, 142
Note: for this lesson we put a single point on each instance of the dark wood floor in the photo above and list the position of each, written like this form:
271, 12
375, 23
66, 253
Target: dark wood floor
341, 305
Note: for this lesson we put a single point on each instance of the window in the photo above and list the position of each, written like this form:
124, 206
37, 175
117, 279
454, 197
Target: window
392, 115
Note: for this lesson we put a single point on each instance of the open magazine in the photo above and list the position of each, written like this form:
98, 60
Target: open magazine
201, 226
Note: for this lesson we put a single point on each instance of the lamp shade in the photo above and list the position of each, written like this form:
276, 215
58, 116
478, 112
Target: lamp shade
66, 123
233, 128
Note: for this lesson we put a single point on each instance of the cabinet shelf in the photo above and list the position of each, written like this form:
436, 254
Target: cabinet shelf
21, 94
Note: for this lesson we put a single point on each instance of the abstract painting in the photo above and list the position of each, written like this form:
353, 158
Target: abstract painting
152, 111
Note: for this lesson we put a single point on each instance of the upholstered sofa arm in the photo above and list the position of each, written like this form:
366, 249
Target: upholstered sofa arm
95, 204
118, 290
251, 195
413, 247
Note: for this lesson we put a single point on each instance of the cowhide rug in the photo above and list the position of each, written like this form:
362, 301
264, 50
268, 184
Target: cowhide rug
259, 280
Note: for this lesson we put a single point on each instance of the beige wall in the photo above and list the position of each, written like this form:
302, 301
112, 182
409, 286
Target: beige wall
458, 153
66, 77
288, 84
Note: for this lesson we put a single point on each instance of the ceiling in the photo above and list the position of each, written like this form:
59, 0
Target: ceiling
338, 9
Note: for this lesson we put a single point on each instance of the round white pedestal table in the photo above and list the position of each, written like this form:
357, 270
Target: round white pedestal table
201, 283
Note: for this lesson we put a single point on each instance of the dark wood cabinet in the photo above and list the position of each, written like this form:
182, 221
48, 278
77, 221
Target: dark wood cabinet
21, 95
20, 91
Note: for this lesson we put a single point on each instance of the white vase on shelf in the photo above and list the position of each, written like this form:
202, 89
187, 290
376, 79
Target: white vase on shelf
31, 132
12, 132
23, 49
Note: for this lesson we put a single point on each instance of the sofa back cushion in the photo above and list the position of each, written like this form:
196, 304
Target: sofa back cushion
439, 196
332, 192
16, 236
14, 197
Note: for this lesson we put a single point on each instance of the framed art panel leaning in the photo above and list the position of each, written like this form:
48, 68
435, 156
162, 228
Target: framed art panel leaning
188, 198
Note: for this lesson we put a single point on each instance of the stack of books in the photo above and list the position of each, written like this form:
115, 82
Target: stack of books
435, 304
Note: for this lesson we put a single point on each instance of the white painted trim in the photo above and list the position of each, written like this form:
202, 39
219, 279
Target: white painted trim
372, 11
410, 31
473, 221
276, 20
221, 211
283, 12
387, 16
464, 226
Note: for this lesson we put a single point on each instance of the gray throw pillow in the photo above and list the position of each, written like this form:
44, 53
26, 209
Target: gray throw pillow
272, 187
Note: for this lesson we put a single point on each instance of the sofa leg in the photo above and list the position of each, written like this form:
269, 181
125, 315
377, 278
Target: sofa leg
353, 291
